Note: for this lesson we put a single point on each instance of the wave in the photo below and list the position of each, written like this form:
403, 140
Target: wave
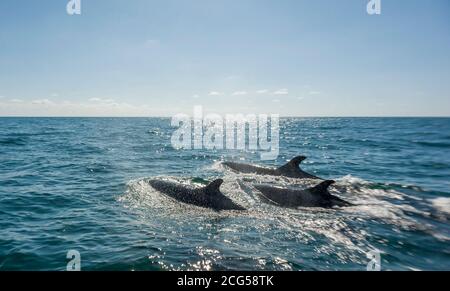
433, 144
13, 141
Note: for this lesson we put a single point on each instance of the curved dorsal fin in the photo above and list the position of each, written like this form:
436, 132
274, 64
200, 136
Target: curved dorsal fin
323, 187
294, 163
214, 186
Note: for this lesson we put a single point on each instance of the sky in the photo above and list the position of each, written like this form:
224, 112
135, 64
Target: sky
287, 57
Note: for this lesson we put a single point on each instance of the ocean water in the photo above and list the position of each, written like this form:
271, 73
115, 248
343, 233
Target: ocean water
81, 184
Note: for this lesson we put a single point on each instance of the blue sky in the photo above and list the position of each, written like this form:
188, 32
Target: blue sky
291, 57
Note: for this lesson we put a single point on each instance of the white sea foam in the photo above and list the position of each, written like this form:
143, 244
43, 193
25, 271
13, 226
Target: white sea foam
441, 204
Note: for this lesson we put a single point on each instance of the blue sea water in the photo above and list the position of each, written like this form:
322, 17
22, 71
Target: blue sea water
81, 184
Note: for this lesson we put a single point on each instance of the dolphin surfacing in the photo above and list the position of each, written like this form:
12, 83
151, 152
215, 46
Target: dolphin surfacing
317, 196
290, 170
206, 197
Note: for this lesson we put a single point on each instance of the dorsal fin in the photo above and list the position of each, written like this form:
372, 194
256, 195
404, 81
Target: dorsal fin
214, 186
294, 163
323, 187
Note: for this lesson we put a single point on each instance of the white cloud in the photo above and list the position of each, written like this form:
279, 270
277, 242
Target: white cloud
54, 95
195, 96
101, 100
42, 102
276, 100
15, 100
300, 98
263, 91
281, 92
215, 93
239, 93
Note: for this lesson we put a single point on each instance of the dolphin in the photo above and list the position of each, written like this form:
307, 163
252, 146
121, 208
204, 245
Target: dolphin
207, 197
290, 170
317, 196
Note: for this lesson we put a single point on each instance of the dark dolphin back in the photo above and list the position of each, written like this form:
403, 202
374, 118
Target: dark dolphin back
291, 169
317, 196
208, 196
249, 169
